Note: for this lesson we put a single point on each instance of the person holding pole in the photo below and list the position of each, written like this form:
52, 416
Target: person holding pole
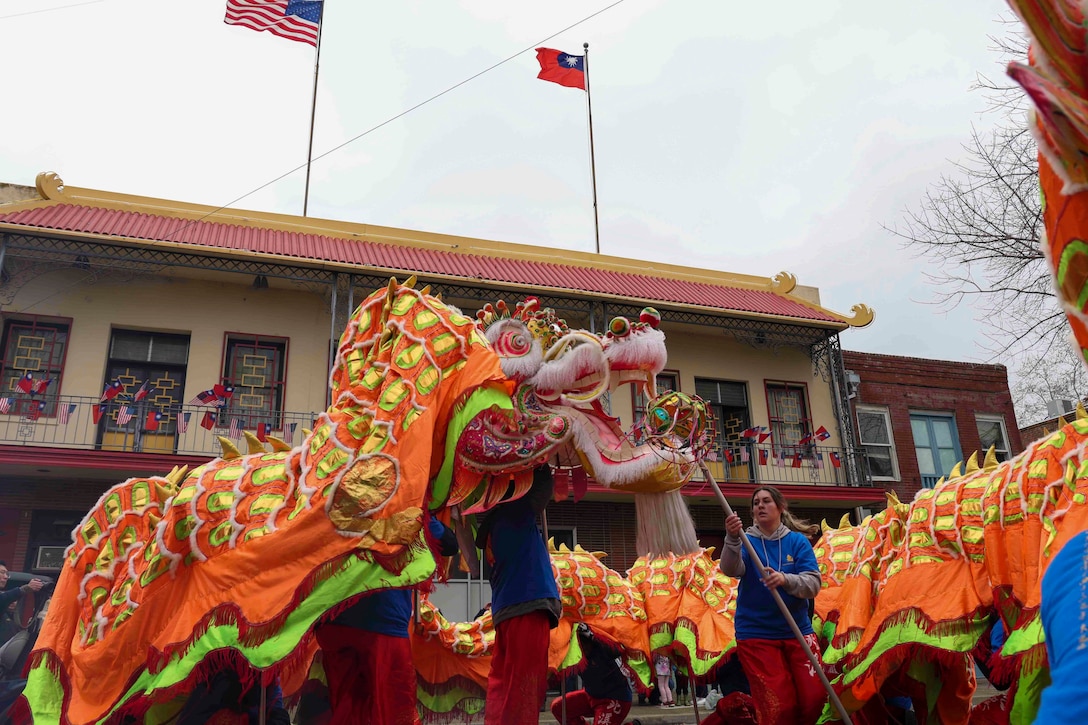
785, 686
525, 604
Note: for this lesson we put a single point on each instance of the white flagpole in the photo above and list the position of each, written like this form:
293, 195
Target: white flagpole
313, 112
592, 161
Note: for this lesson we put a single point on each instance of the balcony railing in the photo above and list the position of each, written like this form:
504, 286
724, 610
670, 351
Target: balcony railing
68, 421
802, 465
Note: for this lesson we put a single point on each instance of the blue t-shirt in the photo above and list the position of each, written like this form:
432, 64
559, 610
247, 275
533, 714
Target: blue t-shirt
1064, 611
521, 570
758, 617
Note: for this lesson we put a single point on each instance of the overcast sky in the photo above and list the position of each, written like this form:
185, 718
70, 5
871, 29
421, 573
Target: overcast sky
749, 137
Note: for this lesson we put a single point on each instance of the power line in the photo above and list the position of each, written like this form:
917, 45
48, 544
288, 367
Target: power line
49, 10
403, 113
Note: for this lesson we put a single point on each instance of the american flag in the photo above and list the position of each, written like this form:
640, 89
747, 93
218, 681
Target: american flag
124, 415
5, 405
235, 428
183, 422
206, 397
64, 412
292, 19
290, 427
39, 386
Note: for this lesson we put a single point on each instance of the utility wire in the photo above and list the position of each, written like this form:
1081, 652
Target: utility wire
48, 10
389, 120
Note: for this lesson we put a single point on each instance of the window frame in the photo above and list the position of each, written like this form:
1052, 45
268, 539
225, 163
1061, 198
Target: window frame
885, 413
1000, 420
50, 396
930, 415
277, 415
638, 412
806, 422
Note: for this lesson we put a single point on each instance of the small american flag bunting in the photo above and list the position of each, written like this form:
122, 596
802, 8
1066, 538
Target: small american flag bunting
124, 415
64, 412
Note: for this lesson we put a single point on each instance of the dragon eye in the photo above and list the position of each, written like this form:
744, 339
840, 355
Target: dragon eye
513, 344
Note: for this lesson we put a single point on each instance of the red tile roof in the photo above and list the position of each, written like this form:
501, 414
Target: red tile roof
217, 235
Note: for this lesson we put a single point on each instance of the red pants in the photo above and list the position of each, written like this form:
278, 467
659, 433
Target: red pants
785, 687
371, 677
518, 679
580, 706
736, 708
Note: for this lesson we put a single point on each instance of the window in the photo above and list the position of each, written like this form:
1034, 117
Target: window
991, 432
136, 357
256, 366
936, 445
35, 345
666, 380
787, 409
728, 401
875, 428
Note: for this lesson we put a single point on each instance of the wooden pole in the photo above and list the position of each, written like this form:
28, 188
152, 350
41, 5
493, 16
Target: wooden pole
843, 715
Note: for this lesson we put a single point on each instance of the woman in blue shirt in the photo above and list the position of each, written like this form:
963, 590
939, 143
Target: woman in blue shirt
785, 687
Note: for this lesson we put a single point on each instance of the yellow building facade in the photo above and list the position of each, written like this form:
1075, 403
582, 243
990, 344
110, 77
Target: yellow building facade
177, 307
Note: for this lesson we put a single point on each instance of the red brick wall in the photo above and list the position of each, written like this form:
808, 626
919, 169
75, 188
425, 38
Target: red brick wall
24, 496
905, 384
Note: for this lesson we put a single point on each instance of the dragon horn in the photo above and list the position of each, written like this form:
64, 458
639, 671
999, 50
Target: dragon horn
972, 463
307, 432
277, 444
177, 475
410, 283
254, 443
425, 291
844, 522
990, 462
1062, 422
956, 472
823, 526
229, 451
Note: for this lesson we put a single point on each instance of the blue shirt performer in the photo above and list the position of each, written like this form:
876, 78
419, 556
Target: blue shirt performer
1064, 611
368, 656
524, 605
785, 687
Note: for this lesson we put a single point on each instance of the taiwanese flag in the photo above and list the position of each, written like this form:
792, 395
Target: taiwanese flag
204, 398
143, 392
821, 434
763, 456
26, 383
751, 432
223, 392
836, 459
154, 417
208, 421
764, 435
262, 432
97, 411
112, 390
562, 68
805, 440
797, 461
36, 410
729, 455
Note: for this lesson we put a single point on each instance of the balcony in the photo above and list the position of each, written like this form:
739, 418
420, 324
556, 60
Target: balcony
50, 421
806, 465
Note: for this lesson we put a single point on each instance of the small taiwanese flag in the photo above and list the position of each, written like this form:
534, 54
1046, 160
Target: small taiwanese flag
262, 432
205, 397
36, 410
750, 432
836, 459
208, 421
562, 68
729, 455
97, 411
39, 386
26, 383
805, 440
112, 391
223, 392
64, 412
183, 422
143, 392
797, 460
821, 434
764, 435
763, 456
154, 417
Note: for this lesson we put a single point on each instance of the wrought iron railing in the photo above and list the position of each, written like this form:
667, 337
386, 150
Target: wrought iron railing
802, 465
77, 422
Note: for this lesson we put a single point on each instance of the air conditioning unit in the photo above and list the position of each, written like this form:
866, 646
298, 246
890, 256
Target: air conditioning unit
1054, 408
49, 558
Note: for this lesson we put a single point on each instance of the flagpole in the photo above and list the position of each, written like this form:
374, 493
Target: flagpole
592, 160
313, 113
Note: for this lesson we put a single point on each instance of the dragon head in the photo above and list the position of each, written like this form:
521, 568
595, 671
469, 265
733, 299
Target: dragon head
566, 374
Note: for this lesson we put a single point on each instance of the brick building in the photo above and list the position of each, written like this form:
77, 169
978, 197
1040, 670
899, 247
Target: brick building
917, 418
